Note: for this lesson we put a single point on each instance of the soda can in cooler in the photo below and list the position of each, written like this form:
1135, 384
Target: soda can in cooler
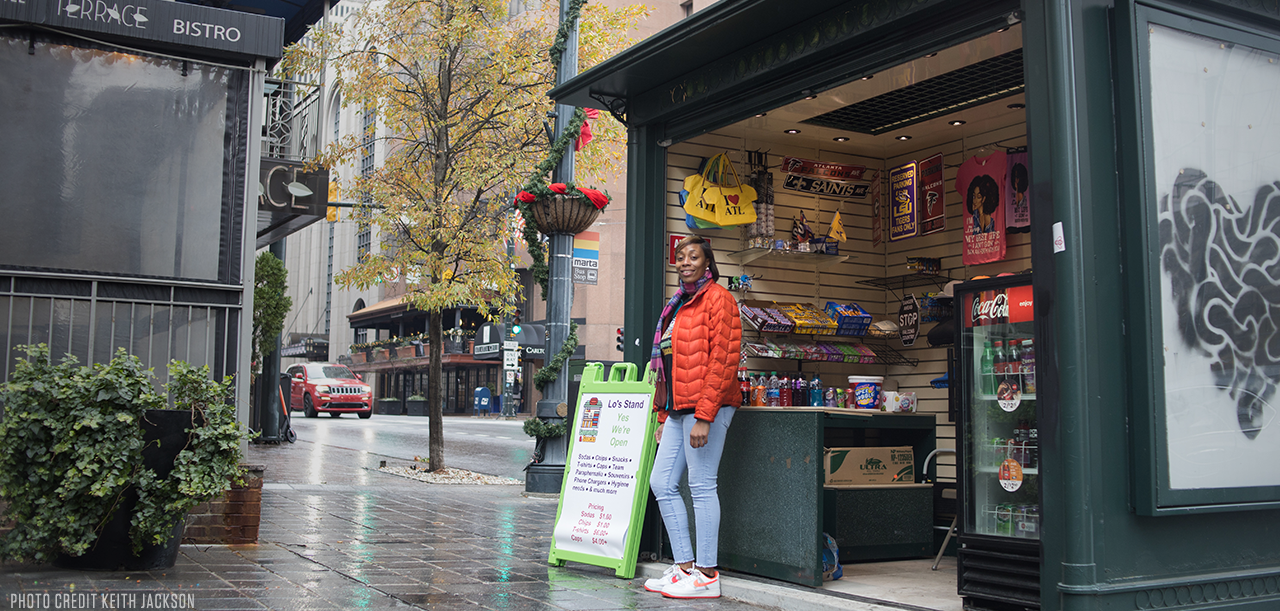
1004, 519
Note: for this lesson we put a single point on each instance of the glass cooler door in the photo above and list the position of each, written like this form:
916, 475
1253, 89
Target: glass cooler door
1001, 450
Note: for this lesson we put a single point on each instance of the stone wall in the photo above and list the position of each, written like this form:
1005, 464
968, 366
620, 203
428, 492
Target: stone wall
232, 518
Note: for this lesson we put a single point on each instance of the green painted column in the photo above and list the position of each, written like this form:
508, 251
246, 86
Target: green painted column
646, 240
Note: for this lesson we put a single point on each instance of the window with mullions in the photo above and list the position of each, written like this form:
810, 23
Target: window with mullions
1204, 243
364, 232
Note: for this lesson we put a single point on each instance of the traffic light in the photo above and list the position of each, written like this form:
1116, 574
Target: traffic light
620, 340
515, 323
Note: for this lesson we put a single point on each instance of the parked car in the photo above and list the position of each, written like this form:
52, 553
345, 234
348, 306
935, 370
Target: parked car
328, 387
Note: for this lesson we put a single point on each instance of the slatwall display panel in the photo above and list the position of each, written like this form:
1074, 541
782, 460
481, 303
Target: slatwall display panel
948, 246
776, 279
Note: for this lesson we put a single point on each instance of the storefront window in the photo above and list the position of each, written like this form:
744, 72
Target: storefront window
1217, 186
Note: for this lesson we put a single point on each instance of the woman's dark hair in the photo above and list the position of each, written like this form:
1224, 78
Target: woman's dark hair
1018, 177
706, 252
990, 193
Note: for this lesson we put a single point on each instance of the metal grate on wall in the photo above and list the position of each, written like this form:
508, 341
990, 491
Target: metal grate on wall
91, 319
980, 83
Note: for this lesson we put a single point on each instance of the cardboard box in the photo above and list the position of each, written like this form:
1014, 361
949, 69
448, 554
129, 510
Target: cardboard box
854, 466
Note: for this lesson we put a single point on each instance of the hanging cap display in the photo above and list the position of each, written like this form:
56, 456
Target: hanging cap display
949, 291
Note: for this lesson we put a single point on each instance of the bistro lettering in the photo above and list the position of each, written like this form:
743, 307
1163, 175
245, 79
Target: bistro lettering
205, 30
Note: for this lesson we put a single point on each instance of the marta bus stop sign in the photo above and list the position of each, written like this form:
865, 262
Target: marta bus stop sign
606, 479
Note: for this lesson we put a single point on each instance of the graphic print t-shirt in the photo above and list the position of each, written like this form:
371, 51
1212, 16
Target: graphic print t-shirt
1018, 198
979, 181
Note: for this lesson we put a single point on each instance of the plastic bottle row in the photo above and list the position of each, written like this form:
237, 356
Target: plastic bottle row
793, 390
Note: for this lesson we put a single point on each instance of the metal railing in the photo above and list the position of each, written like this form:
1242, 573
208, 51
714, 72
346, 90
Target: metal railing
291, 129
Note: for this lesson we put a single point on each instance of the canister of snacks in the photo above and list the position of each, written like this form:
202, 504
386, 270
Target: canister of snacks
865, 391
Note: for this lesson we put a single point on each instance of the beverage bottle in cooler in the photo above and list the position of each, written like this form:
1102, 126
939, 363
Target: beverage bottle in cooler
815, 391
800, 392
988, 370
1028, 367
772, 389
1000, 360
744, 384
1012, 366
784, 391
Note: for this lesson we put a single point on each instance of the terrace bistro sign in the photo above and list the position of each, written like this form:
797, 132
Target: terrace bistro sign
171, 24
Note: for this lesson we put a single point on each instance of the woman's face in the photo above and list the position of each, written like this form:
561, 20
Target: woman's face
691, 263
978, 200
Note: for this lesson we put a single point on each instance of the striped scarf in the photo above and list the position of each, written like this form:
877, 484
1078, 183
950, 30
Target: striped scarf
682, 289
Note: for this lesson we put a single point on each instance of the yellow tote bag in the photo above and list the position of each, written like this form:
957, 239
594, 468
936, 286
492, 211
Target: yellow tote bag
712, 198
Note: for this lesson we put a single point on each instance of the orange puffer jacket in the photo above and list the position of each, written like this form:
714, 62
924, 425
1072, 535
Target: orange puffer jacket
706, 346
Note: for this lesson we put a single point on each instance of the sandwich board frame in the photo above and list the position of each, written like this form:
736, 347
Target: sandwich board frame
588, 477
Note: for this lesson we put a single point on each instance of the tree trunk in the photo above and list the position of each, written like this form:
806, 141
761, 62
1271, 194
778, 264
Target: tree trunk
435, 391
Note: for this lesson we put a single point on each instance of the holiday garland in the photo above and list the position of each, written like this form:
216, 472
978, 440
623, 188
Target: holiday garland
551, 371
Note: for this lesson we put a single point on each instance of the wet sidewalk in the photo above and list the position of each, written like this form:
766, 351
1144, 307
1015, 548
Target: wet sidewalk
338, 534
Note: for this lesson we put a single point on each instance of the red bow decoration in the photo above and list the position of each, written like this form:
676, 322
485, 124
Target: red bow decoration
598, 199
585, 136
559, 187
525, 197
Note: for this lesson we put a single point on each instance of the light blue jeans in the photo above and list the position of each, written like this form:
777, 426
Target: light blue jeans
675, 457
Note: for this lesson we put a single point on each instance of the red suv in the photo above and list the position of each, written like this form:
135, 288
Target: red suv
328, 387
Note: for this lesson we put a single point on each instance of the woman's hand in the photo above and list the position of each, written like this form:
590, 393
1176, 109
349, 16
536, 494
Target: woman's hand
698, 436
657, 433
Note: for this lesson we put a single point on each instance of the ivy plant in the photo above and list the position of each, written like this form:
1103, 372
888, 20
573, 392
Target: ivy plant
71, 446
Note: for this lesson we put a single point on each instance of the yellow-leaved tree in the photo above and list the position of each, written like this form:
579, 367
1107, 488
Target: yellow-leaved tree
458, 88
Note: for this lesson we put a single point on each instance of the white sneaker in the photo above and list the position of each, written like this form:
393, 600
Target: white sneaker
673, 574
694, 585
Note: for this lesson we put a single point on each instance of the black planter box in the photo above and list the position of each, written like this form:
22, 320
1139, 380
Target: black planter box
389, 408
417, 407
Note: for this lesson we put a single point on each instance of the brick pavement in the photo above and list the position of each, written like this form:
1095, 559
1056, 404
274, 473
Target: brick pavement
337, 534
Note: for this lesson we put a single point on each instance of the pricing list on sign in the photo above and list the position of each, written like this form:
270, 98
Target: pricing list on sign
600, 487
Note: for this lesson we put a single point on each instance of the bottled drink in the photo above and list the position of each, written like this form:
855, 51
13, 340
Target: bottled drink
773, 390
1000, 358
744, 384
758, 393
1028, 367
784, 391
815, 392
829, 397
800, 392
988, 382
1013, 362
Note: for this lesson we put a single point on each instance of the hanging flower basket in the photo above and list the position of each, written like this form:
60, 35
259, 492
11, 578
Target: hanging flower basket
564, 214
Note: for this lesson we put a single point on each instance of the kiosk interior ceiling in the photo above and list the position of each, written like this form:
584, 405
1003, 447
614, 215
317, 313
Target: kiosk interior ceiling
979, 83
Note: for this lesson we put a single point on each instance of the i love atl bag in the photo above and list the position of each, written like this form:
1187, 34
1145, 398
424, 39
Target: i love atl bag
713, 198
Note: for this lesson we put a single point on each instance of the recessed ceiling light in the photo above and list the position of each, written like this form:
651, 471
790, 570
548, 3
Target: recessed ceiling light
868, 77
1004, 29
761, 114
793, 131
811, 97
840, 139
957, 123
904, 138
1017, 106
934, 54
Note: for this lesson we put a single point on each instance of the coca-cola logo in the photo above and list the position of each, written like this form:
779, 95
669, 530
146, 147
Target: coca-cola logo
990, 309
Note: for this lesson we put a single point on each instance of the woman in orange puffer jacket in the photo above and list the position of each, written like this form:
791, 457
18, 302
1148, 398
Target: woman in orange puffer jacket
696, 350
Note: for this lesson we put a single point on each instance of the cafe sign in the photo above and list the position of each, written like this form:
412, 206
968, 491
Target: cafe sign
171, 24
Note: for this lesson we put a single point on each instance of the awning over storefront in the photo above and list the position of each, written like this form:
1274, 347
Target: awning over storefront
532, 341
379, 313
711, 33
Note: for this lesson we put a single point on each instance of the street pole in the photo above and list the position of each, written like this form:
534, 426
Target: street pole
548, 475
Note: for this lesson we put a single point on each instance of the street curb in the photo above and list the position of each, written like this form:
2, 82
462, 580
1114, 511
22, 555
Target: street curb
793, 598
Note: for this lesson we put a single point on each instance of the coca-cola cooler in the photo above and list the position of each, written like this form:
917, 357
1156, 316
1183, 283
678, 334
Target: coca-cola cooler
998, 449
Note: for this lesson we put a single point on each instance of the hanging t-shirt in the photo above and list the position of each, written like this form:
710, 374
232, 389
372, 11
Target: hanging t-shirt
981, 184
1018, 212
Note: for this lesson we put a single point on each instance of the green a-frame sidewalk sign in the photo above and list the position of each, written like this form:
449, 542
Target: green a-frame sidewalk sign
606, 474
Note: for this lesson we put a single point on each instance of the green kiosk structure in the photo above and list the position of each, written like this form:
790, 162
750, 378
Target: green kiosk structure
1146, 130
